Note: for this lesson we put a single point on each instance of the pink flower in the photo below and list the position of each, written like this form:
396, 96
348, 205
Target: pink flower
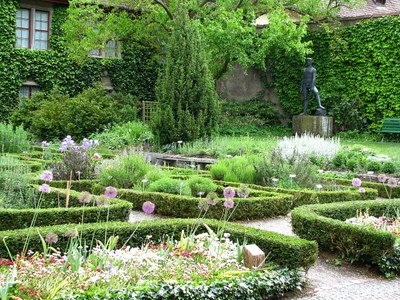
44, 188
110, 192
96, 156
382, 178
46, 176
51, 238
392, 183
229, 192
85, 197
356, 182
229, 203
361, 190
148, 207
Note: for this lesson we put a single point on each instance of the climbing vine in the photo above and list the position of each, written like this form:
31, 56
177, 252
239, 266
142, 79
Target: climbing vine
358, 73
135, 74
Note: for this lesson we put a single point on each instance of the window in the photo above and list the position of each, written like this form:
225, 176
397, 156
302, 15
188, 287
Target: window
111, 50
28, 88
33, 28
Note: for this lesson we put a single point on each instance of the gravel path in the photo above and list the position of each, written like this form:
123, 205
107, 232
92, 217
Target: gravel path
325, 280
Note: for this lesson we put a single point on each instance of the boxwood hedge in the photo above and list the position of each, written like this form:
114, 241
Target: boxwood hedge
325, 224
287, 251
51, 214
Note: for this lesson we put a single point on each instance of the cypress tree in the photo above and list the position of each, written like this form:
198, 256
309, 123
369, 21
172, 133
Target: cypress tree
188, 107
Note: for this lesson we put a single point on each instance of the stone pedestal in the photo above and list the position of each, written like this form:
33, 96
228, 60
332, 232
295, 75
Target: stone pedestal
253, 256
316, 125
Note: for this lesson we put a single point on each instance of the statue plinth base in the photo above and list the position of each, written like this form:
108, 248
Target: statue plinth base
316, 125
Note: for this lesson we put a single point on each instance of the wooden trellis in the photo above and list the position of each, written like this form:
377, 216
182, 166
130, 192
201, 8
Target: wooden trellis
148, 107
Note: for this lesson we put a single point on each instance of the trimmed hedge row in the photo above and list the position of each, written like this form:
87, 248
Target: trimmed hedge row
382, 188
118, 210
263, 205
287, 251
258, 284
305, 197
325, 224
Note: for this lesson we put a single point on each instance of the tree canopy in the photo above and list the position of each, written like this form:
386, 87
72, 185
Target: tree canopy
228, 26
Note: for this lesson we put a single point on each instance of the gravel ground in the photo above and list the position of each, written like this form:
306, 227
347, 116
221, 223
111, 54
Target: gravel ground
325, 280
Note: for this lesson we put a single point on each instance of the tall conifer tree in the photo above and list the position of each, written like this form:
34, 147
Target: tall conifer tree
188, 106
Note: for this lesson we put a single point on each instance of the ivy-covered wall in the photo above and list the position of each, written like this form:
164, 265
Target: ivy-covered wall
358, 73
136, 73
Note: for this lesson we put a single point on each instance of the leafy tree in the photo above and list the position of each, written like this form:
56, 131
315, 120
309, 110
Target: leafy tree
188, 106
228, 26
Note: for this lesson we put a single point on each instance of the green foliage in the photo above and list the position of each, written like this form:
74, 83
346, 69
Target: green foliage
52, 213
124, 136
188, 108
169, 186
356, 79
325, 224
389, 167
236, 169
246, 117
373, 165
124, 171
13, 139
56, 115
198, 184
251, 285
389, 265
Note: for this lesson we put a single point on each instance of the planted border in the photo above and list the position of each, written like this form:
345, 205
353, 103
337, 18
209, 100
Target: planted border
264, 205
325, 224
284, 250
118, 210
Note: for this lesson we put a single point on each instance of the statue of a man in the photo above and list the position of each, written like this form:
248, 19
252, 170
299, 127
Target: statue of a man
308, 85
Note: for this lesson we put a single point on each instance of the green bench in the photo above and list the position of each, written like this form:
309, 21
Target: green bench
390, 126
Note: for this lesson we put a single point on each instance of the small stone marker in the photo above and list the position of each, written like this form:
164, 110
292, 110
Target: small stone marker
253, 256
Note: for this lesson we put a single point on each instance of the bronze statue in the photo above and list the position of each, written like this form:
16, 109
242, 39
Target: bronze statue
308, 84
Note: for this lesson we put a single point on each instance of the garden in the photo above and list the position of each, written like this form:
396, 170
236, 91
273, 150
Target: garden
90, 209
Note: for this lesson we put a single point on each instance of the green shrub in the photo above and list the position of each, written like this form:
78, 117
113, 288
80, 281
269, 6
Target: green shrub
198, 184
125, 135
339, 160
169, 186
236, 169
124, 171
218, 171
373, 165
287, 251
388, 167
352, 164
13, 139
325, 224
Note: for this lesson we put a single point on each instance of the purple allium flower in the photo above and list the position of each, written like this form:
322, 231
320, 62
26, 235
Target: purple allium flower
110, 192
45, 144
85, 197
203, 204
392, 183
229, 192
102, 201
361, 190
148, 207
51, 238
243, 191
46, 176
382, 178
44, 188
356, 182
212, 198
229, 203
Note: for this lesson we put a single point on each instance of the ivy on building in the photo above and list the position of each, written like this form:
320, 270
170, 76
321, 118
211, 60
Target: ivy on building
135, 74
358, 73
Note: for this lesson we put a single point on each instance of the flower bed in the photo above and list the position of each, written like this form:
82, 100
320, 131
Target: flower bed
325, 223
49, 214
286, 251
